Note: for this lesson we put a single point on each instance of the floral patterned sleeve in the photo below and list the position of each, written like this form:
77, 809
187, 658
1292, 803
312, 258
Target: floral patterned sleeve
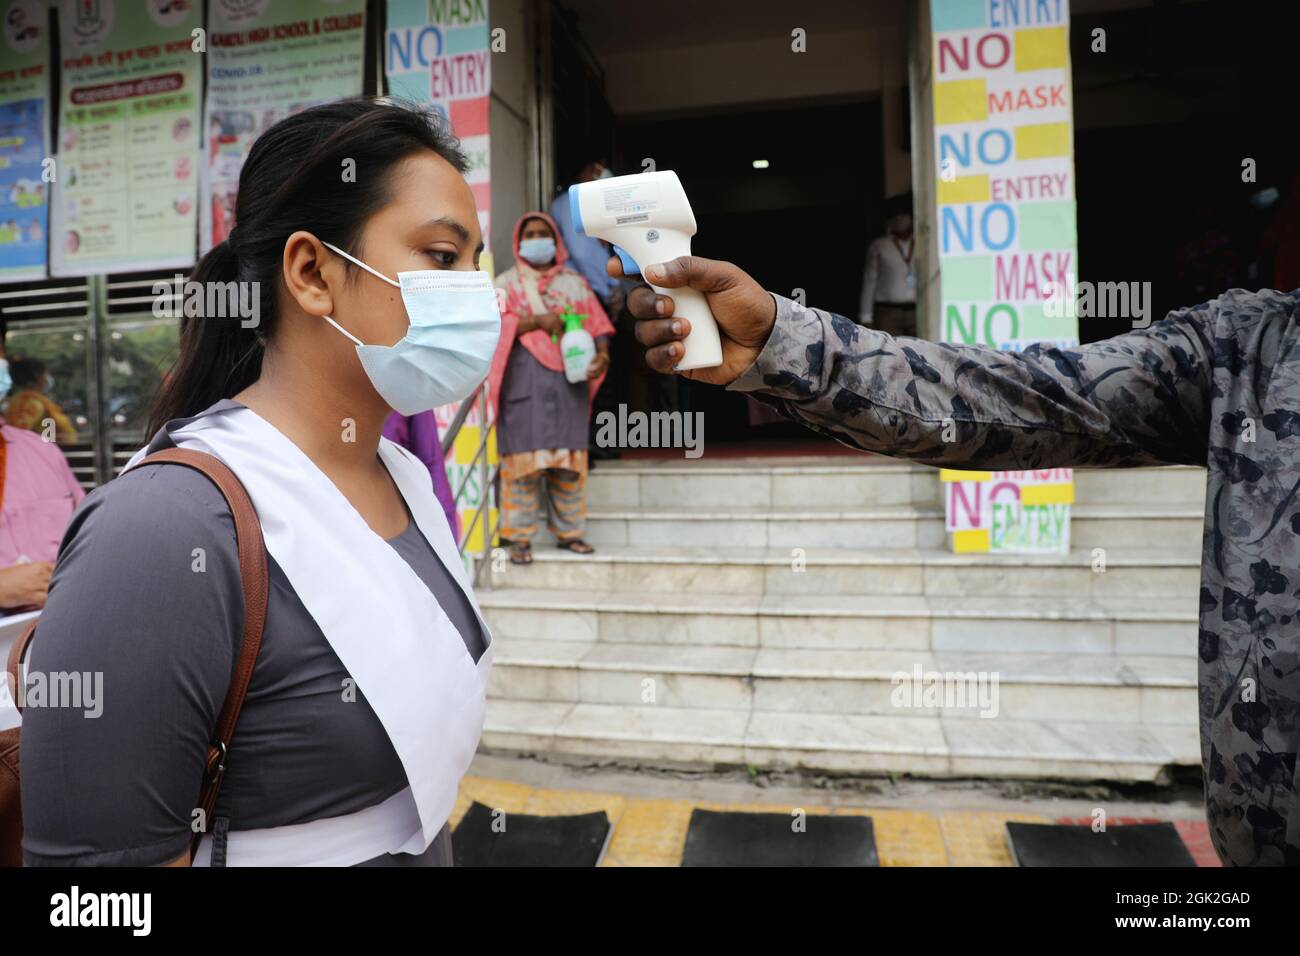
25, 411
1141, 398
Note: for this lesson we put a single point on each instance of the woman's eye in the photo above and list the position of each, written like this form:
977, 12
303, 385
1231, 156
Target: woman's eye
443, 257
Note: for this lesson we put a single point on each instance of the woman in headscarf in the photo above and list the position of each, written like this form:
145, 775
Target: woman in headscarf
30, 406
541, 417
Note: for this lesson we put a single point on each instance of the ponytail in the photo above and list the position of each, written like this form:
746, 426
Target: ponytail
219, 357
290, 181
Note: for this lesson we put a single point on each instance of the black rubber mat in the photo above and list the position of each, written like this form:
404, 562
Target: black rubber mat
768, 839
1131, 844
528, 840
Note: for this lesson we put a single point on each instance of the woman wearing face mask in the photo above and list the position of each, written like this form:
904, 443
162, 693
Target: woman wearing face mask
366, 701
542, 418
30, 406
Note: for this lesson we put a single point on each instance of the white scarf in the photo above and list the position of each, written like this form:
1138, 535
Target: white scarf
377, 614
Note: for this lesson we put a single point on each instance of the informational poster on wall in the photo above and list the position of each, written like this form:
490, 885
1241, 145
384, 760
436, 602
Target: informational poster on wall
25, 176
268, 59
1004, 140
437, 54
127, 172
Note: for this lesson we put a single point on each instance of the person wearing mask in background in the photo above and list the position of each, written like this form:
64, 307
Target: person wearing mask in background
587, 255
889, 281
418, 434
30, 406
542, 418
366, 703
38, 494
1216, 385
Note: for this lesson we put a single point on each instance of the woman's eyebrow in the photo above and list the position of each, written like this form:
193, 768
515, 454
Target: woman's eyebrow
451, 224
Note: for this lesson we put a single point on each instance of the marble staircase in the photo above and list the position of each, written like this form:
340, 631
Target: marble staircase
763, 612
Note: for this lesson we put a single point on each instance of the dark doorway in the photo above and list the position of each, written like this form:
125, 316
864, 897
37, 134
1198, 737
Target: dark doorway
1182, 97
801, 223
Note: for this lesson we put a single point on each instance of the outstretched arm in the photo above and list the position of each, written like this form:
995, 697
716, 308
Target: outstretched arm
1138, 399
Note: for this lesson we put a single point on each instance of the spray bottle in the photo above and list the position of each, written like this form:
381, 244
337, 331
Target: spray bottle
577, 347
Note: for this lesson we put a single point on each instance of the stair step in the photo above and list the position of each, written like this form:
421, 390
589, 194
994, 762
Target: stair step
841, 743
849, 482
1142, 626
884, 526
830, 571
1017, 686
776, 613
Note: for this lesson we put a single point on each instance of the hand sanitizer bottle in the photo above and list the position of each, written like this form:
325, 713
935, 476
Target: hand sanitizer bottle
577, 347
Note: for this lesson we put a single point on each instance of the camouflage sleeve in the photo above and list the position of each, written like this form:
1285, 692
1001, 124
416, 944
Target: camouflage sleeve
1141, 398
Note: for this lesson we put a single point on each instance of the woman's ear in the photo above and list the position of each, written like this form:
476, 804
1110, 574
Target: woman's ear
309, 270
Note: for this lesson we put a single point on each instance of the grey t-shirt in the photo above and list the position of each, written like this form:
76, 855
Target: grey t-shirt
126, 600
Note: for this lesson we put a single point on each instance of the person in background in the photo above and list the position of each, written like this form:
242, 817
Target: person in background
30, 406
588, 255
38, 494
418, 434
889, 282
1282, 239
542, 418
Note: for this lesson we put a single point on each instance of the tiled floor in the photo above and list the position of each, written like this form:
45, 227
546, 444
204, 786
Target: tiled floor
652, 832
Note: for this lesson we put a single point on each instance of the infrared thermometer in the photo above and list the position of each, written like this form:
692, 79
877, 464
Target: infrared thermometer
647, 218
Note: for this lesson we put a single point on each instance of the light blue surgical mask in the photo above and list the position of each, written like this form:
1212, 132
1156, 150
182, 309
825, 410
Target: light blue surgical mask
454, 327
537, 251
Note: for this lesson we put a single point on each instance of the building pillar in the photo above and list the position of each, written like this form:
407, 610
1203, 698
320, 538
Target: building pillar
920, 71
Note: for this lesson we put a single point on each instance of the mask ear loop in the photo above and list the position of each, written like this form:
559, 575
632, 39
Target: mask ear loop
343, 330
377, 275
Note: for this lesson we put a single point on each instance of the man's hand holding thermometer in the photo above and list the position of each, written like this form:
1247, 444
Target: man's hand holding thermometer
648, 219
743, 310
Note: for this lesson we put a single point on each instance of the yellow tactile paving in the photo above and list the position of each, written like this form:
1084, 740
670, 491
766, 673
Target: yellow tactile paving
904, 837
980, 839
556, 803
653, 832
650, 833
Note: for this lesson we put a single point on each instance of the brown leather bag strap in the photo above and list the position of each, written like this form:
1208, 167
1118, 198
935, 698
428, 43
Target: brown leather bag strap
252, 571
15, 659
253, 574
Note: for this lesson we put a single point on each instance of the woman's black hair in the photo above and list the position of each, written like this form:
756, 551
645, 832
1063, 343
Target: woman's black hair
25, 371
296, 176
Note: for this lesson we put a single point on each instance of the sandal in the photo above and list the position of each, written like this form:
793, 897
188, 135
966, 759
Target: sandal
577, 546
521, 552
